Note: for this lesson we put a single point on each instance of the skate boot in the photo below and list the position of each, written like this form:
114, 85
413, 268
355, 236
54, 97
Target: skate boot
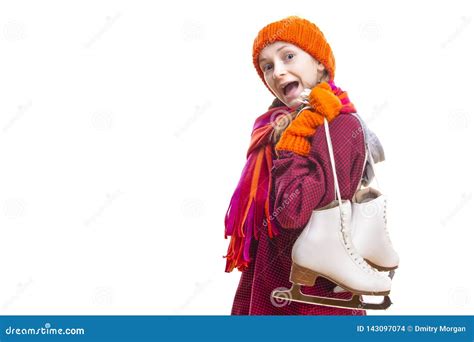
325, 249
369, 230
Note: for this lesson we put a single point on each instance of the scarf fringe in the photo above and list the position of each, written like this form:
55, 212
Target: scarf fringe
250, 211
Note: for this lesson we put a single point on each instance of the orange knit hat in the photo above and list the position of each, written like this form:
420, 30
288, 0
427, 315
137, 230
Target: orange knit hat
297, 31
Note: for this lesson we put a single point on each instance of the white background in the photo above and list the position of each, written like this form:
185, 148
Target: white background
124, 127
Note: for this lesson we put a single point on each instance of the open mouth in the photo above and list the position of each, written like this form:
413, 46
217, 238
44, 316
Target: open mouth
290, 89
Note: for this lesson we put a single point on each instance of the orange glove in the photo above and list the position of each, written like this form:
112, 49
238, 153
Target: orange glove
324, 105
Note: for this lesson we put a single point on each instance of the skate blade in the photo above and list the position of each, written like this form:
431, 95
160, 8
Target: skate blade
356, 302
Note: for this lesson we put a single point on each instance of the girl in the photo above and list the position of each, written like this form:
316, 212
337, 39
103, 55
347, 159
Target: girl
288, 171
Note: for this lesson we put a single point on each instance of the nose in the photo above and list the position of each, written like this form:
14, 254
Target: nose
278, 70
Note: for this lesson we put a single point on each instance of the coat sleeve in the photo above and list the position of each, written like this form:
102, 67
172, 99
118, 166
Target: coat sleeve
299, 188
302, 184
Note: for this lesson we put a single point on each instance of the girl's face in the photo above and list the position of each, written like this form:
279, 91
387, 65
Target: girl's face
288, 70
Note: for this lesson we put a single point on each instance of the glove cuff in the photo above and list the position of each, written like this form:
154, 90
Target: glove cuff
295, 143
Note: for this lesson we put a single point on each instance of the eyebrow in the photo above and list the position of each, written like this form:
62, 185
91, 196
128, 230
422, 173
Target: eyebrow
264, 59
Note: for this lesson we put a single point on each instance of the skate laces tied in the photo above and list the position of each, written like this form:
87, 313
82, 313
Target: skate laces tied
352, 252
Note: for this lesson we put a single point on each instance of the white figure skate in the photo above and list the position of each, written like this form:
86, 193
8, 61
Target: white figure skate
369, 230
324, 248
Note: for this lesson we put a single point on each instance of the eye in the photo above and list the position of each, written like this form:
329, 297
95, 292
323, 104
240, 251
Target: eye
264, 68
290, 56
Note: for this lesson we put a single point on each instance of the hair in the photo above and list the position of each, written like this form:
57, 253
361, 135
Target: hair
284, 120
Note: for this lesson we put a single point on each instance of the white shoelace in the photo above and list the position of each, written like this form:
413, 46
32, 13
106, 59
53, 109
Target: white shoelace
352, 251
